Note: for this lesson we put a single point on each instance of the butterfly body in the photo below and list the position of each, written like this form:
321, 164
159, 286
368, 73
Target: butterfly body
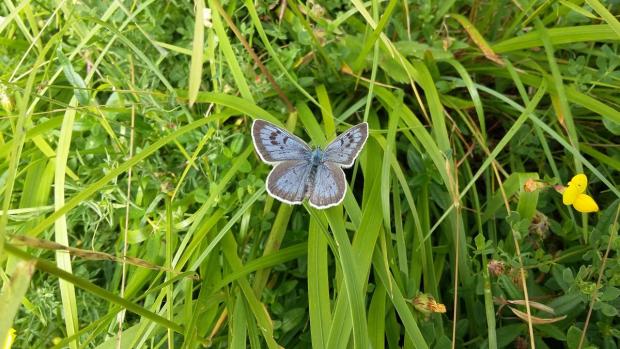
301, 172
316, 157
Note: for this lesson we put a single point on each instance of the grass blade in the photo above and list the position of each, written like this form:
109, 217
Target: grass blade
607, 16
318, 284
353, 291
50, 268
12, 295
63, 259
558, 36
195, 69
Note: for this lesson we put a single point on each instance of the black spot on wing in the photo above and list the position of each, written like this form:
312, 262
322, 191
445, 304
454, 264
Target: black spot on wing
347, 146
275, 144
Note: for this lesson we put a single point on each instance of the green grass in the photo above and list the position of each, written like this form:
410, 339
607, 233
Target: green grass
124, 131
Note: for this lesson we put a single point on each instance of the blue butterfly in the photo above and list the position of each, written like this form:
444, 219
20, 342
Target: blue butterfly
301, 172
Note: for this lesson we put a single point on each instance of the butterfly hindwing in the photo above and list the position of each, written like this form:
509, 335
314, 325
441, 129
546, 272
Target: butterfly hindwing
329, 186
274, 144
345, 148
288, 181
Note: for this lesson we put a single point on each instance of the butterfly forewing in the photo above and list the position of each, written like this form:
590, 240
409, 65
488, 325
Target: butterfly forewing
345, 148
329, 186
275, 144
288, 179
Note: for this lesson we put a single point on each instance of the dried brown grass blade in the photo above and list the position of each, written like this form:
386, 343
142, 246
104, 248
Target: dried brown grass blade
21, 240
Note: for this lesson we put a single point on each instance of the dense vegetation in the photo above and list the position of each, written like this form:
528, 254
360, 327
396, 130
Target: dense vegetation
124, 131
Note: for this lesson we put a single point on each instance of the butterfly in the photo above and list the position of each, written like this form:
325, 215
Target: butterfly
301, 172
575, 195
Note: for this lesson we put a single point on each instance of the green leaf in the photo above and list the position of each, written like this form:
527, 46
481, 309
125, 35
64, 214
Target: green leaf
507, 334
79, 86
573, 336
612, 126
480, 242
608, 309
610, 293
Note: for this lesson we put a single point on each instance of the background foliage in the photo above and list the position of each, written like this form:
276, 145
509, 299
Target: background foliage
125, 131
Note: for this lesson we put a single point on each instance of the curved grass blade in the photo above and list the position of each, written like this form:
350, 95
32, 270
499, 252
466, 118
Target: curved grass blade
558, 36
50, 268
195, 69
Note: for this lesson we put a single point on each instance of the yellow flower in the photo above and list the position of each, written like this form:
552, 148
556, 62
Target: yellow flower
9, 339
575, 195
